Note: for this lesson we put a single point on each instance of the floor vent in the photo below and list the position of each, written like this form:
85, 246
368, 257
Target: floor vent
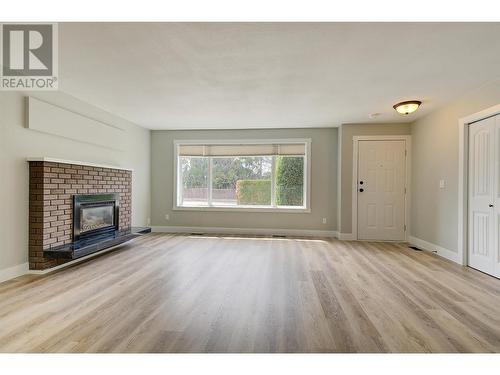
197, 234
278, 236
415, 248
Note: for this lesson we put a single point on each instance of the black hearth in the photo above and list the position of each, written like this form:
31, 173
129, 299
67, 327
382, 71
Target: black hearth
95, 227
95, 215
94, 244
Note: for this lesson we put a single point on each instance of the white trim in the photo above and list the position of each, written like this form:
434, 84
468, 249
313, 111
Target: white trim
307, 175
463, 150
290, 210
339, 178
54, 160
354, 187
23, 269
347, 237
13, 272
243, 231
177, 180
74, 261
441, 251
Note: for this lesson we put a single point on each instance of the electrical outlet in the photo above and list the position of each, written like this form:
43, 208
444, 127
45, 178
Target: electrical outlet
324, 220
167, 217
442, 184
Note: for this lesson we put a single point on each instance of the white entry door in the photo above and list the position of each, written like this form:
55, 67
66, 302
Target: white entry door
484, 194
381, 190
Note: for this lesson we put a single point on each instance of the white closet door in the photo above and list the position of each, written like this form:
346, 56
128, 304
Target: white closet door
483, 186
381, 190
496, 240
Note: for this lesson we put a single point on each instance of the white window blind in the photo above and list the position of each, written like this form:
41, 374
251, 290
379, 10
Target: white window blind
290, 149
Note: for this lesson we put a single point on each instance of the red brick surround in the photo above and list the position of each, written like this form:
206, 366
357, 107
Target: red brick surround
52, 186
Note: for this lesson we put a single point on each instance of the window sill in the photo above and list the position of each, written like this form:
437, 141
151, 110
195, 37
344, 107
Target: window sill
243, 209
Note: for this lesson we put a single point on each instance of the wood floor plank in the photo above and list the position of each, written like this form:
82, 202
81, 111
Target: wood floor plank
181, 293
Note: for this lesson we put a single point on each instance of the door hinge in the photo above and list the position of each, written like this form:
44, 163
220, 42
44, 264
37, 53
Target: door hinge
405, 227
406, 152
405, 190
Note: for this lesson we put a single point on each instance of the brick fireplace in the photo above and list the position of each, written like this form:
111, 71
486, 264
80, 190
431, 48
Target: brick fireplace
52, 187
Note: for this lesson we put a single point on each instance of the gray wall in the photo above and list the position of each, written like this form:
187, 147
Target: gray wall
323, 184
435, 156
348, 131
17, 143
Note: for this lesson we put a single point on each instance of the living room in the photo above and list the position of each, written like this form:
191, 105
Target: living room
250, 187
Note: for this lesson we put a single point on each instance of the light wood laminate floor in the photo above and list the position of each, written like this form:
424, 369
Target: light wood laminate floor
180, 293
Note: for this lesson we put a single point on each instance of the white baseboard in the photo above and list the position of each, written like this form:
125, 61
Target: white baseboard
347, 237
251, 231
23, 269
14, 271
74, 261
441, 251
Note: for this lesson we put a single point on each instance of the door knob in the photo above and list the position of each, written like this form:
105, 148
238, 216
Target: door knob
361, 190
492, 205
361, 182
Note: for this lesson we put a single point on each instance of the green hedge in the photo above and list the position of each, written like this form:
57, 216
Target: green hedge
289, 181
253, 192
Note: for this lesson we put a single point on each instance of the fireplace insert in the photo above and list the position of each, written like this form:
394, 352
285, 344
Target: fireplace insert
95, 215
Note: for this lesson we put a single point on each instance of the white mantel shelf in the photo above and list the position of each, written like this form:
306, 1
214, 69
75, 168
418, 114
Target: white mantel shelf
54, 160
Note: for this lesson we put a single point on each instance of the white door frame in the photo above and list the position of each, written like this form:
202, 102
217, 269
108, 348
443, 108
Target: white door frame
463, 174
355, 155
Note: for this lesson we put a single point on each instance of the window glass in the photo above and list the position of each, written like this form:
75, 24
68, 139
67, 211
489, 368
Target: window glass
241, 181
290, 181
194, 186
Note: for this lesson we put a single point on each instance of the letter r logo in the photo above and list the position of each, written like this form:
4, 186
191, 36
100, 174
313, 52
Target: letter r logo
27, 50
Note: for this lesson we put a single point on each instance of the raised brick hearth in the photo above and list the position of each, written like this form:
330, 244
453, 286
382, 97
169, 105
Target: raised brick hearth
52, 186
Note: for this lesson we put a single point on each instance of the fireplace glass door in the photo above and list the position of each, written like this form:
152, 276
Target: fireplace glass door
94, 218
94, 215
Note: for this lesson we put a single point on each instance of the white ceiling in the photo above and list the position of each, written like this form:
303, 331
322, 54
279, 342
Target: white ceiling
261, 75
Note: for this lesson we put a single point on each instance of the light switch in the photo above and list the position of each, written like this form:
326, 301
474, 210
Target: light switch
442, 184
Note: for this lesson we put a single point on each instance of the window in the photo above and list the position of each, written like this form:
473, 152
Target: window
245, 175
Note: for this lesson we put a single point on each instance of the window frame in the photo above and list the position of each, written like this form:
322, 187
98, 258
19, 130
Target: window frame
306, 208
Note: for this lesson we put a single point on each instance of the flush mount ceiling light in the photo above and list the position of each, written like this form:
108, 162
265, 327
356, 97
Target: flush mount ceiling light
405, 108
